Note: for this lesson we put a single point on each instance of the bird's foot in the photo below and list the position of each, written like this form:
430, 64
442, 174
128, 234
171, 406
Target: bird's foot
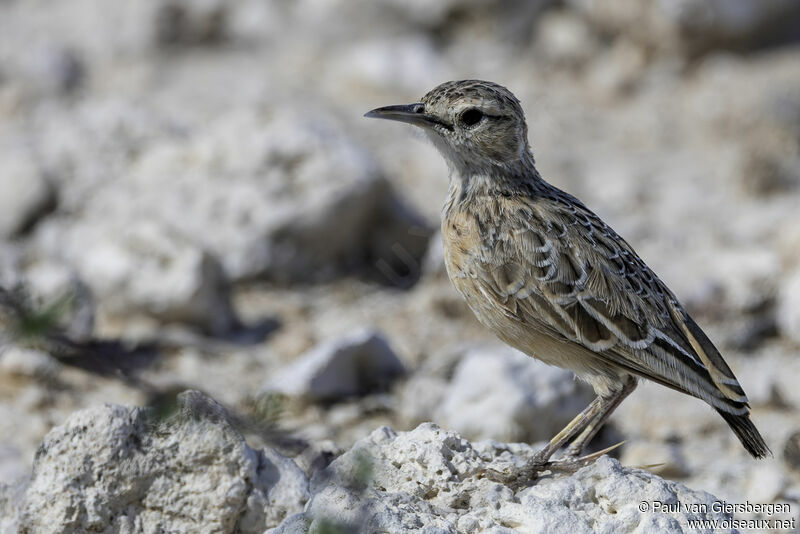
539, 464
533, 469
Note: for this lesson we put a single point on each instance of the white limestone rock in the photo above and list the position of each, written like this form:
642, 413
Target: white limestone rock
789, 308
692, 26
25, 193
139, 266
57, 284
279, 194
29, 363
499, 393
114, 469
355, 364
431, 480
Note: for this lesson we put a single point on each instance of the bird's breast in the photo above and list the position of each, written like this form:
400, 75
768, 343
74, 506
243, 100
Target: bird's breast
467, 240
461, 241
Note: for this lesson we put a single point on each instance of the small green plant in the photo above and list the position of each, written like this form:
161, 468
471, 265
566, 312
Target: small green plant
324, 526
361, 476
28, 323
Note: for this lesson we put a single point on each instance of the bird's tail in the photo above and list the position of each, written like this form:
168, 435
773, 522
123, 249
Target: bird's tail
747, 433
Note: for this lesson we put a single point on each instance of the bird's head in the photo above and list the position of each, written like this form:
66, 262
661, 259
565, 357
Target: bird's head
478, 126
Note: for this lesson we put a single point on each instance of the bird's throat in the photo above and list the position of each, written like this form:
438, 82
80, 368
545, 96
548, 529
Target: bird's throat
509, 180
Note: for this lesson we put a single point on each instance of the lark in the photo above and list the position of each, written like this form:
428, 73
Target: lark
550, 278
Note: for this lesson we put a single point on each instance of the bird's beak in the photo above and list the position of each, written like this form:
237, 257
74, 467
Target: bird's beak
410, 113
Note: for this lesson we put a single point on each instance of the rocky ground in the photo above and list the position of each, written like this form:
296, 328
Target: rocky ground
190, 199
194, 472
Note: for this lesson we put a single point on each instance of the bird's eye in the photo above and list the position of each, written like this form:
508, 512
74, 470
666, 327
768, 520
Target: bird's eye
471, 117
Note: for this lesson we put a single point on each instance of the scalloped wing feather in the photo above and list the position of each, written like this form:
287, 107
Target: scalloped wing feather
557, 268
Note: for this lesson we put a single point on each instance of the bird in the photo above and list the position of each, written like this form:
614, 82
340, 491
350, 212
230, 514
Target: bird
550, 278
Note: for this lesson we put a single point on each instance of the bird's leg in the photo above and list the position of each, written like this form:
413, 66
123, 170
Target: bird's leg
541, 460
572, 429
609, 404
585, 426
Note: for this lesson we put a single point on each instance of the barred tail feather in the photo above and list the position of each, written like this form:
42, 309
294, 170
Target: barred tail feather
747, 433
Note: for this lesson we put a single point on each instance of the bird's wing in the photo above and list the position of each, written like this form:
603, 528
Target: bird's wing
562, 270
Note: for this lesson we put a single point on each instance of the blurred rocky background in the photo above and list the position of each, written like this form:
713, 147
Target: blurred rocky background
191, 199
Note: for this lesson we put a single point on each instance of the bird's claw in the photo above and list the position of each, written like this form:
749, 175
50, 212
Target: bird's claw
537, 465
525, 476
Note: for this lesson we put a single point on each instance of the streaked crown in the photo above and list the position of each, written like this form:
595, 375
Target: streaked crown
476, 125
